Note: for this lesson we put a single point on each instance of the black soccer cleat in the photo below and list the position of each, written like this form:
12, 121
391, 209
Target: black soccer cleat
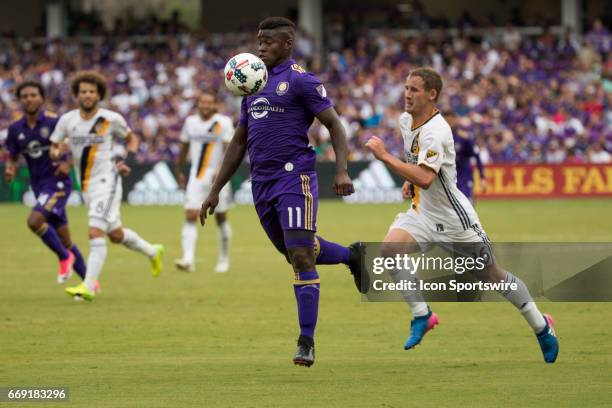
357, 266
305, 354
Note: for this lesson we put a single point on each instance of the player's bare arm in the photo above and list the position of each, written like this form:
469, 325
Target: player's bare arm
64, 166
231, 161
342, 182
11, 168
421, 175
132, 143
180, 163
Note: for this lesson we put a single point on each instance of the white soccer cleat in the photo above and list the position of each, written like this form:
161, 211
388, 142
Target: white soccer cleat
184, 265
222, 265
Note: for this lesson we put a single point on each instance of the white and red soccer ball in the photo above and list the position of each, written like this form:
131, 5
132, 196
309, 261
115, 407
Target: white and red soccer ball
245, 74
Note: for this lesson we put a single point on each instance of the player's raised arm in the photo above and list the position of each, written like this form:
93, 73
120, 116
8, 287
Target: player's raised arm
231, 161
420, 175
342, 182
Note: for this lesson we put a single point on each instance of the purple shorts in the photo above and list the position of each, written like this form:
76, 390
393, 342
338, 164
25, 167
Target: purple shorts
288, 203
466, 187
51, 202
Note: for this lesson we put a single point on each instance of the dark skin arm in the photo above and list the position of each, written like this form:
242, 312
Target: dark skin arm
231, 161
343, 185
178, 170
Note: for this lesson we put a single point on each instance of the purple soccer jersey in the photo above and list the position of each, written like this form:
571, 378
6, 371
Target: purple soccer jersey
284, 181
51, 191
465, 151
277, 121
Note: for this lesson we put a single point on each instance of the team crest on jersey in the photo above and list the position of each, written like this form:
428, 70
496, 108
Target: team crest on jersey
282, 88
101, 126
322, 91
44, 132
431, 156
21, 136
414, 148
297, 68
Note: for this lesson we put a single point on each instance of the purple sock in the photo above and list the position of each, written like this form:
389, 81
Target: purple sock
331, 253
306, 289
51, 240
79, 263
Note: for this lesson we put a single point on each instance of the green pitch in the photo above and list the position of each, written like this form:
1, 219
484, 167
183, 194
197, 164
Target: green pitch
226, 340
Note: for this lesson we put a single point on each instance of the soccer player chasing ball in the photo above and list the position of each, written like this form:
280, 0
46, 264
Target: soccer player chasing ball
440, 212
50, 179
273, 128
89, 132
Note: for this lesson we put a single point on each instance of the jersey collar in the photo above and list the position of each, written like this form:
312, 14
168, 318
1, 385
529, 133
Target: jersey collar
281, 67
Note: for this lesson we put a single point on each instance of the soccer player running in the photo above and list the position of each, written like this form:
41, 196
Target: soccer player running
273, 128
51, 182
440, 212
89, 132
205, 136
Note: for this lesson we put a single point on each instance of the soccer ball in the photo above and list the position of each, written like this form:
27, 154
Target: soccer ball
245, 74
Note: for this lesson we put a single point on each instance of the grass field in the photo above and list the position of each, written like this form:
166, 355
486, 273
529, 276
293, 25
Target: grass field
226, 340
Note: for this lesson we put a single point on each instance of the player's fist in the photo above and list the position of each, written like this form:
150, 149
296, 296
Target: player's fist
63, 169
123, 168
343, 185
208, 206
377, 147
406, 190
9, 172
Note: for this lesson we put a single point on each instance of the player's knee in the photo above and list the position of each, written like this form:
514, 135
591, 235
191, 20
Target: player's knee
95, 233
191, 215
116, 236
36, 223
220, 218
302, 259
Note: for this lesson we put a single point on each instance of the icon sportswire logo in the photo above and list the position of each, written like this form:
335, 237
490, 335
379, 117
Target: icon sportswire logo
375, 185
157, 187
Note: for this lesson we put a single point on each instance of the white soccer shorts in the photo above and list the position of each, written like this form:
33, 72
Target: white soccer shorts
198, 190
103, 201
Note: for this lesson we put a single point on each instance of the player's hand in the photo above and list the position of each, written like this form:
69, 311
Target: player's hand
208, 206
343, 185
9, 173
123, 168
377, 147
406, 190
181, 180
63, 169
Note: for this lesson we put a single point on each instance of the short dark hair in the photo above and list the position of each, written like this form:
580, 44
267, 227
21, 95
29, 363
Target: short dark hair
30, 84
272, 23
430, 77
89, 77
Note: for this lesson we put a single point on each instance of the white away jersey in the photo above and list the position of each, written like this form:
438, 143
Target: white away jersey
91, 142
432, 145
206, 140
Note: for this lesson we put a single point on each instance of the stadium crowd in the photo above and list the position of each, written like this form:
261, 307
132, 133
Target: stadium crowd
528, 99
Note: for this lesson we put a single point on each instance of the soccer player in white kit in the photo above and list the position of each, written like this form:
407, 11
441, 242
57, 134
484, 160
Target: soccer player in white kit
205, 135
89, 133
440, 212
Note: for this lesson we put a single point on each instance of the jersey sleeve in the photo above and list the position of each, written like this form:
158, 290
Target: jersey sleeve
120, 128
312, 93
228, 131
60, 131
244, 119
431, 149
11, 142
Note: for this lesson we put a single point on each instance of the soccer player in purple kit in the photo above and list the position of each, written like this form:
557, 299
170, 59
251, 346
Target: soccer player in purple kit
29, 136
273, 128
465, 151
